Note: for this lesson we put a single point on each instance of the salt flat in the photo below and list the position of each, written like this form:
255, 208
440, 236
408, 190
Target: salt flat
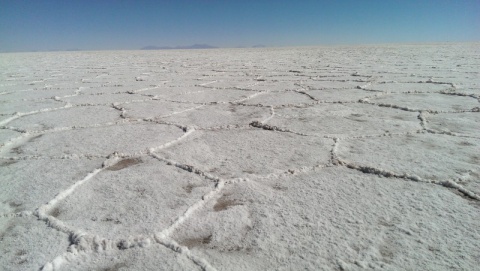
321, 158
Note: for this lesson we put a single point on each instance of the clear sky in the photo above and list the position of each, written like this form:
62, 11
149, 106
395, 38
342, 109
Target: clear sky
128, 24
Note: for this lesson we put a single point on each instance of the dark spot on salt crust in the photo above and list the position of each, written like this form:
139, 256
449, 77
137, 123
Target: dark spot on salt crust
223, 204
470, 200
115, 221
116, 267
21, 252
398, 117
232, 109
55, 212
17, 207
6, 163
466, 143
189, 188
22, 261
387, 253
34, 138
14, 204
475, 159
141, 191
18, 149
194, 242
356, 117
279, 187
213, 170
125, 163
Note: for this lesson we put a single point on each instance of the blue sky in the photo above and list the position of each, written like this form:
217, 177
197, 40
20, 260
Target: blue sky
127, 24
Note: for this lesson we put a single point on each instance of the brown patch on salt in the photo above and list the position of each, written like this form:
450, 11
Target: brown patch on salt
223, 204
195, 242
125, 163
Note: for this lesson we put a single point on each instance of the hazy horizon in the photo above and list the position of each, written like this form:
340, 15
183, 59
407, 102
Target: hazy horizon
258, 46
131, 25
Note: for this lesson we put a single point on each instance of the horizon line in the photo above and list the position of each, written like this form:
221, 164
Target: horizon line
257, 46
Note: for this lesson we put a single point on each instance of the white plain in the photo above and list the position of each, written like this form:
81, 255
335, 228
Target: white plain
322, 158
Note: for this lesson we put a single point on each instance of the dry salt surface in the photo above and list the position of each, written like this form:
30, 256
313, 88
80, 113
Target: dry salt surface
325, 158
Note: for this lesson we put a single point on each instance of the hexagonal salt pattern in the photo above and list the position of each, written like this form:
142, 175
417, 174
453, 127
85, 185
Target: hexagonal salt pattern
320, 158
467, 124
99, 141
219, 116
8, 135
240, 153
154, 109
339, 95
280, 99
27, 185
154, 257
428, 101
345, 120
430, 157
213, 96
27, 243
75, 116
331, 219
397, 87
29, 106
135, 196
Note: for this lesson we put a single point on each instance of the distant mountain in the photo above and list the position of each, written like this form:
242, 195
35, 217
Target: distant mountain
195, 46
259, 46
59, 50
198, 46
150, 47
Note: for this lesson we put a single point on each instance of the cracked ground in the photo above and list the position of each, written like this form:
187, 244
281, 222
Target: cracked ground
322, 158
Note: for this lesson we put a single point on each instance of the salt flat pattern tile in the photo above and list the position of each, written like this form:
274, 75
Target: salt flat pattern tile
337, 209
320, 158
103, 99
435, 102
396, 87
427, 156
154, 257
467, 124
345, 120
45, 177
32, 106
283, 98
151, 204
212, 96
98, 141
338, 95
46, 92
239, 153
20, 252
218, 116
154, 109
7, 135
75, 116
